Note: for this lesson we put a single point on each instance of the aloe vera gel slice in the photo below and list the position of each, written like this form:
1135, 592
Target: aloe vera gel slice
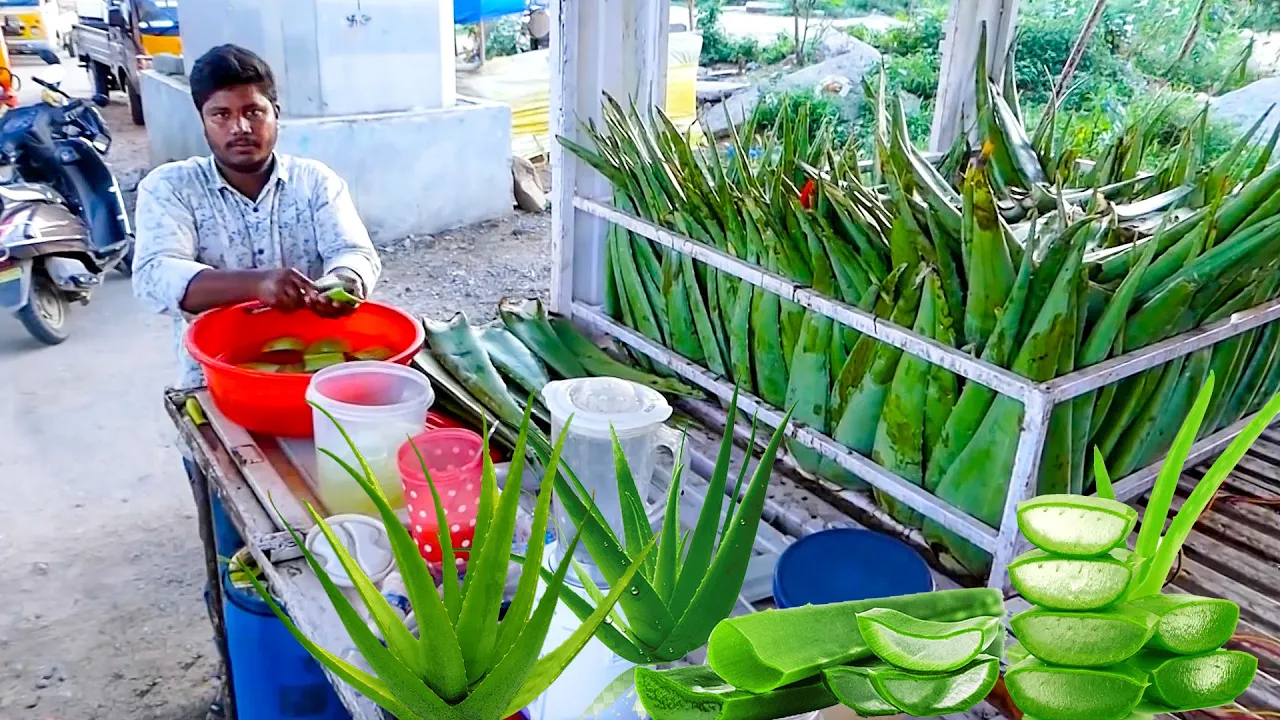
1084, 639
1190, 624
926, 645
852, 686
284, 344
1062, 583
697, 693
312, 363
1075, 525
1052, 692
1198, 681
759, 651
930, 695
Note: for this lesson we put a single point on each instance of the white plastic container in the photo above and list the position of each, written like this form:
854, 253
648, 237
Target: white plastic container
635, 413
380, 405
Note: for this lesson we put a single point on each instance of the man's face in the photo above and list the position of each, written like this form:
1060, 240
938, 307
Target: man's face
240, 123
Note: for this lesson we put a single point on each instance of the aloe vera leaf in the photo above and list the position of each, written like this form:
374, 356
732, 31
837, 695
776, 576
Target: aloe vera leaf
1194, 373
1208, 680
684, 336
766, 334
453, 345
899, 440
1061, 583
664, 575
852, 687
926, 646
1126, 403
757, 652
1085, 639
1251, 376
1056, 458
695, 692
513, 358
1129, 449
527, 320
944, 388
1075, 525
932, 695
1051, 692
1167, 552
598, 363
990, 272
1189, 624
809, 387
284, 344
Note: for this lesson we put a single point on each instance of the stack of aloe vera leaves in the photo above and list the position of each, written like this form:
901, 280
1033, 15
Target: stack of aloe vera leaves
1101, 641
1015, 253
926, 654
493, 369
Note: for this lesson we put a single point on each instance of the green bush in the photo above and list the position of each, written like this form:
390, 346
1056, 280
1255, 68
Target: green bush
505, 36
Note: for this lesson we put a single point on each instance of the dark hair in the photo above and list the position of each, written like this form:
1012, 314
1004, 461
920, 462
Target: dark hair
228, 66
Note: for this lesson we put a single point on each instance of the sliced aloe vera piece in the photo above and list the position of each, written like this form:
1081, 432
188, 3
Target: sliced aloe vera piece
852, 686
284, 344
931, 695
327, 346
320, 361
1208, 680
926, 645
261, 366
1062, 583
1084, 639
1053, 692
1016, 653
1190, 624
697, 693
1075, 525
373, 353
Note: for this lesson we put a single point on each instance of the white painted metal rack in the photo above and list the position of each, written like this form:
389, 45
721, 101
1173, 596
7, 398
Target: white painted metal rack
618, 46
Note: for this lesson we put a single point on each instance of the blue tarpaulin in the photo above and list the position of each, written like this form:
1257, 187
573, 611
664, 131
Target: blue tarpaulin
467, 12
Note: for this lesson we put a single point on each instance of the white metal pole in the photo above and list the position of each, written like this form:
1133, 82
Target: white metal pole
564, 166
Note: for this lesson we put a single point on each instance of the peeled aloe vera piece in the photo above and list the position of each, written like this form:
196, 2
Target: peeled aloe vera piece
261, 366
1208, 680
930, 695
1063, 583
1084, 639
852, 686
758, 652
1075, 525
284, 344
697, 693
1190, 624
320, 361
926, 645
326, 346
373, 353
1052, 692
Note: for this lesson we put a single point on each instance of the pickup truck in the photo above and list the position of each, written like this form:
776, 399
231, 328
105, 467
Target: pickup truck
116, 51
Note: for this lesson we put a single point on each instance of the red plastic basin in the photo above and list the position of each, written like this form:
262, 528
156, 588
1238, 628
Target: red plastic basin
275, 403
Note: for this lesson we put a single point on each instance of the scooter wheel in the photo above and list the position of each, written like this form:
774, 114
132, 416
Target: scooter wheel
46, 313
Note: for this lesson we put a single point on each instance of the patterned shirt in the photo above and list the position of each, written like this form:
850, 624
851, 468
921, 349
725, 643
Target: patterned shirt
190, 219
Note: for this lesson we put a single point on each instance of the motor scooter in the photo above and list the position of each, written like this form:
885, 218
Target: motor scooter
63, 223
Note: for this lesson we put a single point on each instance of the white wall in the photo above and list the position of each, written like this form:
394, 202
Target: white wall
337, 57
415, 172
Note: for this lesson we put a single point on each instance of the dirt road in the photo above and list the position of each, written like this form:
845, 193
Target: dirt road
101, 575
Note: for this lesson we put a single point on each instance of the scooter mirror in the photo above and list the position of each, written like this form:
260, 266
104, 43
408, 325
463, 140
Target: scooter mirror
51, 74
100, 100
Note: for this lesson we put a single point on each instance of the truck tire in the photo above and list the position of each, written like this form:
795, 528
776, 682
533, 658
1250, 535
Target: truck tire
101, 78
135, 103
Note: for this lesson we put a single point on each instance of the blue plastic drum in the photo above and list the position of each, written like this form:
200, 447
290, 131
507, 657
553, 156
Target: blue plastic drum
847, 564
274, 677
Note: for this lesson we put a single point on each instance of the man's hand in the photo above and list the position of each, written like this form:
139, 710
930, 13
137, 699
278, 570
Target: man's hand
287, 290
324, 306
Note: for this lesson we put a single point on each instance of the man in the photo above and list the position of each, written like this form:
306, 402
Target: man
245, 224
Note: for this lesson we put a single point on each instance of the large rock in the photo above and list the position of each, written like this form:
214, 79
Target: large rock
1243, 107
858, 60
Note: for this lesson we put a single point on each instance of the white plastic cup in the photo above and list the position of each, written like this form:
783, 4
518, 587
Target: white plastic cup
379, 405
634, 412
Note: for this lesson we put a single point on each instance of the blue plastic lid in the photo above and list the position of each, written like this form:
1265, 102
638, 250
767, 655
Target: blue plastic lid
847, 564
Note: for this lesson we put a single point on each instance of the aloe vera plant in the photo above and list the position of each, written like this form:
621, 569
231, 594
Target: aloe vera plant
672, 603
465, 663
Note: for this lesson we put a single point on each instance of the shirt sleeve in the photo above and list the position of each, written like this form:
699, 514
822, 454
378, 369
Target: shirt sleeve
341, 237
165, 253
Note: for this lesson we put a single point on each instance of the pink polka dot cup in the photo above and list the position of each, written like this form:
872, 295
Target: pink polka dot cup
453, 457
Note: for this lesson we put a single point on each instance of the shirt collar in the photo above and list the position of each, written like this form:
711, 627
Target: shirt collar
279, 174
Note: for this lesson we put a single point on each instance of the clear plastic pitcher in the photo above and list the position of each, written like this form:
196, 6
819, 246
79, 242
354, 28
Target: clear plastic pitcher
380, 405
635, 413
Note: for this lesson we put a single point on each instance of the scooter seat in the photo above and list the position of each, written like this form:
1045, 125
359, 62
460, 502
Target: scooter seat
25, 192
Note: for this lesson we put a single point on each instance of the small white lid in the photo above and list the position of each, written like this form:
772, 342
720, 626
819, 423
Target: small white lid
364, 538
598, 402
